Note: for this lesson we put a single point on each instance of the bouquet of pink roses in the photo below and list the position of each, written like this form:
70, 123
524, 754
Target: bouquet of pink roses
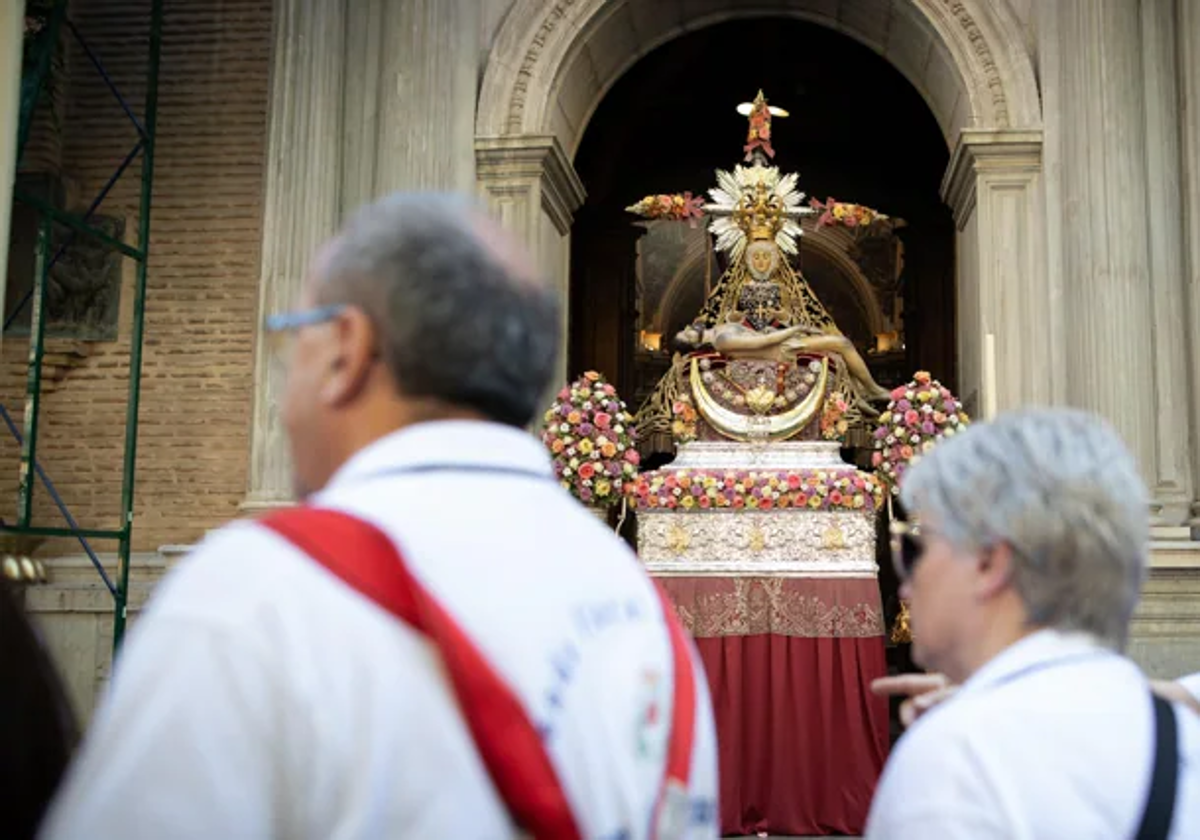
591, 438
919, 414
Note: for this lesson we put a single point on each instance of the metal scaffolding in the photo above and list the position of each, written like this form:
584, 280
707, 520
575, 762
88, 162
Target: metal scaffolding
80, 225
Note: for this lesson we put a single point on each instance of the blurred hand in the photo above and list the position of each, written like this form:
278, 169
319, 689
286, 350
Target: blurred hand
1176, 693
924, 691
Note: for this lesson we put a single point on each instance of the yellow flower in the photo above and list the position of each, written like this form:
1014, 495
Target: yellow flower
859, 501
603, 487
751, 502
585, 446
814, 502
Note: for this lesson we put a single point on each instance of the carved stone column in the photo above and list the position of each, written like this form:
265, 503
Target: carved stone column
532, 188
994, 186
12, 25
1173, 490
301, 209
1188, 39
1093, 82
411, 76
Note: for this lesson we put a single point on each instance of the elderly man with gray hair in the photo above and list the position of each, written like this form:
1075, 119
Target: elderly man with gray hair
1023, 558
440, 642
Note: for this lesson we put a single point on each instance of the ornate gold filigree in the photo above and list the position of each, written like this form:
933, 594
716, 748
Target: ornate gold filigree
833, 538
678, 539
757, 540
655, 414
775, 426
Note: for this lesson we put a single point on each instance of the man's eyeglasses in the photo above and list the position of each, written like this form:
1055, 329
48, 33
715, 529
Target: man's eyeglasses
906, 547
281, 326
288, 321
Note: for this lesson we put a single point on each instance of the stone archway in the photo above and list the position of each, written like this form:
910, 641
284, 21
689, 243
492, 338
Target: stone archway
553, 61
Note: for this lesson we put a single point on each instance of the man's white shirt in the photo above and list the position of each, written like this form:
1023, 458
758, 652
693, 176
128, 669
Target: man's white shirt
1053, 738
259, 696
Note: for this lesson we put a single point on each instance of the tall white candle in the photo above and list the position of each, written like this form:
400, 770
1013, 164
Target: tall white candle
989, 376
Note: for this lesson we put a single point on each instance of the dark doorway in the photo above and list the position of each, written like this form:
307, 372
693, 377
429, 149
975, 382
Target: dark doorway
858, 131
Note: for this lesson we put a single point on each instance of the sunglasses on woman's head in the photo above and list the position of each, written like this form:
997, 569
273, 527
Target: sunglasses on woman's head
906, 547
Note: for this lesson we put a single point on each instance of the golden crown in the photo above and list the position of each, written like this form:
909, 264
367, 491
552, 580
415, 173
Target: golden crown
759, 214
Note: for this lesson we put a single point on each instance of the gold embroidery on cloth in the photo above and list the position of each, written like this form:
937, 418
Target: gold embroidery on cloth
759, 606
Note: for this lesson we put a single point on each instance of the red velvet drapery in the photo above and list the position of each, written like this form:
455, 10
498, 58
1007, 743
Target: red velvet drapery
790, 662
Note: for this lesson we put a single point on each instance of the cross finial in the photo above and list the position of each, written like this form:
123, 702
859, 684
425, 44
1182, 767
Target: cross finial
758, 140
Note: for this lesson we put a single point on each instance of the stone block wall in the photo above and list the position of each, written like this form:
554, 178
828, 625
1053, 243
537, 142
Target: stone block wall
206, 231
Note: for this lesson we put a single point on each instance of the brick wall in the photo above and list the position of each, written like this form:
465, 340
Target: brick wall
202, 295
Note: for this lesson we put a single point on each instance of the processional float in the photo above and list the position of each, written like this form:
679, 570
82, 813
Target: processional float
763, 537
760, 399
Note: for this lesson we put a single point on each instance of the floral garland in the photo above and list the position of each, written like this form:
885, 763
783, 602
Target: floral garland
683, 426
834, 425
680, 207
919, 415
592, 441
757, 490
847, 215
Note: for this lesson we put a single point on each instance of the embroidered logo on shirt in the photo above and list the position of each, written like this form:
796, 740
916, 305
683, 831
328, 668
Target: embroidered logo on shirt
650, 734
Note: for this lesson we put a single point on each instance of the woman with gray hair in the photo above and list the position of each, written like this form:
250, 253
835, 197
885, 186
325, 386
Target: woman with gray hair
1023, 560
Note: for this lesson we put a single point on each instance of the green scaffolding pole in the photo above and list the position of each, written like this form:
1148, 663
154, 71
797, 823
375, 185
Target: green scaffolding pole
150, 121
50, 215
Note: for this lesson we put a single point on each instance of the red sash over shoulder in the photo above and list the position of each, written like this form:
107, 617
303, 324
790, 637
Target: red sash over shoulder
368, 561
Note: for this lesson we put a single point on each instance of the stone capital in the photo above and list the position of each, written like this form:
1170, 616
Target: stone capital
515, 163
988, 151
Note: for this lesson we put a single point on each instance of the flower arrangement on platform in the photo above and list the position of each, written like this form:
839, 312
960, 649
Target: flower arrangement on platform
847, 215
835, 490
834, 425
592, 441
683, 423
679, 207
919, 415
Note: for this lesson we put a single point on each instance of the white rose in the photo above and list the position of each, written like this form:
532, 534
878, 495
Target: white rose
619, 429
573, 463
563, 427
566, 471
